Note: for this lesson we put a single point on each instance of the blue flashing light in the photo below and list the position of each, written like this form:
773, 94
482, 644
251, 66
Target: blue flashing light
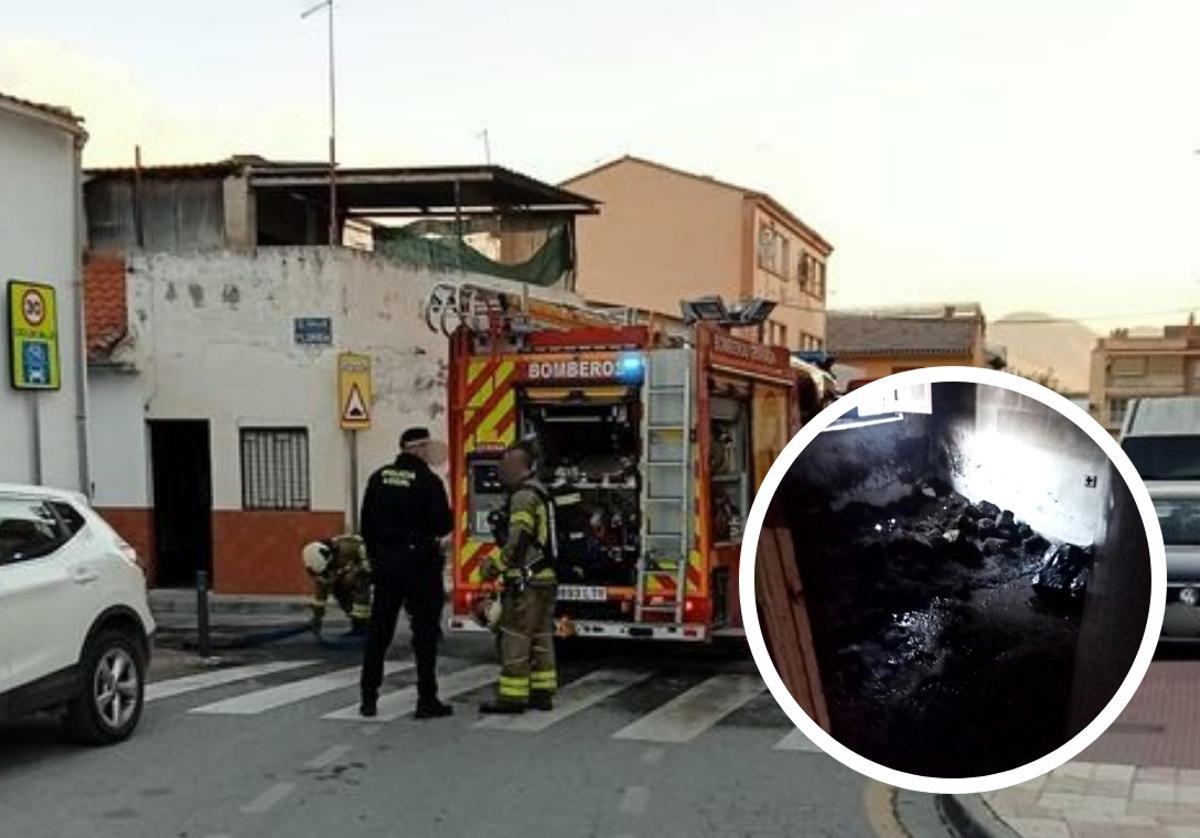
631, 369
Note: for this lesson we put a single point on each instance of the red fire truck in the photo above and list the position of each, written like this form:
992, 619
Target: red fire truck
653, 438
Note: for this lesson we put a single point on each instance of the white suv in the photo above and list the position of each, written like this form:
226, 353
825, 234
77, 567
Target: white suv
75, 626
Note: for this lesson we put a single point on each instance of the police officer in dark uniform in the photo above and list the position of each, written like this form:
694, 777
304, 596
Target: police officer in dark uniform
405, 512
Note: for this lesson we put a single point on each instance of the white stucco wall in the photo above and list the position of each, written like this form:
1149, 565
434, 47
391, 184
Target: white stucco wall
38, 204
1027, 457
211, 338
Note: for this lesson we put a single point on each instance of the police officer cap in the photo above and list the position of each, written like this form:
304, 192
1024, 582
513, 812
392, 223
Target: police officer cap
413, 435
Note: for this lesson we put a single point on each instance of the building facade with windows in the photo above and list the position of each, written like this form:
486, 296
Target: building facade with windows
665, 235
1128, 365
214, 355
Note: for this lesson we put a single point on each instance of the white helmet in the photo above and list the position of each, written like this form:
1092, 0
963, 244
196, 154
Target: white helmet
316, 557
486, 612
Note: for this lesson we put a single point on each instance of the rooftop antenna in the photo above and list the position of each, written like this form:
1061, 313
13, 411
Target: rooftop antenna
333, 225
487, 146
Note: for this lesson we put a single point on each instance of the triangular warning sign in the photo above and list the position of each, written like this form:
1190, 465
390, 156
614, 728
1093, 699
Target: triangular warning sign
355, 409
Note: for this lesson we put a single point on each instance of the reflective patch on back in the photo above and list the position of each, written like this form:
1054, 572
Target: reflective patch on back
398, 477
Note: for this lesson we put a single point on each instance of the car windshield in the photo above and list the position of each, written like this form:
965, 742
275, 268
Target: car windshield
1180, 520
1165, 457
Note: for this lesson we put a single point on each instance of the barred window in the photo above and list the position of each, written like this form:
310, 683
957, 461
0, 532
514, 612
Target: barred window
275, 468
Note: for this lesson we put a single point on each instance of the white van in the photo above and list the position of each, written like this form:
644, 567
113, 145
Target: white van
1162, 438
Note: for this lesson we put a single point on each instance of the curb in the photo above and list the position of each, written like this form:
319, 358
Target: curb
184, 602
971, 817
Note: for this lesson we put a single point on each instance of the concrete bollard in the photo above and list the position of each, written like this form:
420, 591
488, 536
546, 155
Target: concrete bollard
202, 613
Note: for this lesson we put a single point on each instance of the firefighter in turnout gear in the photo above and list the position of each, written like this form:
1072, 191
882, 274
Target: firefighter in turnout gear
339, 566
405, 513
525, 568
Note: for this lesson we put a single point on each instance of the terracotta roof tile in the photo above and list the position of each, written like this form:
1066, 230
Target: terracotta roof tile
105, 304
854, 334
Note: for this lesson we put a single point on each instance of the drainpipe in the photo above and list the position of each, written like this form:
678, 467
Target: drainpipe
78, 244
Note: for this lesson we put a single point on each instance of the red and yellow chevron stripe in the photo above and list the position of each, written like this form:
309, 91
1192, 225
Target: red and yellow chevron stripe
490, 419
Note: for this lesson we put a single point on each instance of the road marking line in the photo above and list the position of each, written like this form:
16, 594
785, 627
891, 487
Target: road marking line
653, 756
216, 678
634, 800
797, 741
259, 701
686, 716
329, 756
402, 702
879, 807
571, 699
269, 799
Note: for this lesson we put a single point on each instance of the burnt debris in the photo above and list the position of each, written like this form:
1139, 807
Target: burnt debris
945, 629
1064, 574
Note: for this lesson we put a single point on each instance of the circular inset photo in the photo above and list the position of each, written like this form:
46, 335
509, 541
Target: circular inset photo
953, 580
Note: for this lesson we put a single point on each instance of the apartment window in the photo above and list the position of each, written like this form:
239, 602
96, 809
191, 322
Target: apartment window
1116, 411
819, 284
775, 252
1164, 365
1127, 367
766, 248
275, 469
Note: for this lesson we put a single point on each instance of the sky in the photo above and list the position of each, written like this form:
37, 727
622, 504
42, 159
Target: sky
1032, 156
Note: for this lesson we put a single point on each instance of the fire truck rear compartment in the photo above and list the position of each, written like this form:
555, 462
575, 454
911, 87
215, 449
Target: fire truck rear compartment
589, 451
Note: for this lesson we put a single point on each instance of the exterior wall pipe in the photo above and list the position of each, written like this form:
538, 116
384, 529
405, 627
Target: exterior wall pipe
81, 371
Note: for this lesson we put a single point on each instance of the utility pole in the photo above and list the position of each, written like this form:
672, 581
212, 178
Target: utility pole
333, 222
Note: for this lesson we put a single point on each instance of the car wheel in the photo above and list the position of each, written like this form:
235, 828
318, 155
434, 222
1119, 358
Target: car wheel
109, 702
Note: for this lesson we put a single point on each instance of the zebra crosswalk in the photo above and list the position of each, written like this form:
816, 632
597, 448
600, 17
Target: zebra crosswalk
259, 689
260, 701
393, 705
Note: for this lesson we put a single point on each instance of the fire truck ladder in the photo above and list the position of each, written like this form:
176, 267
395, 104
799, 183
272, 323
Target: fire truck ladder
482, 309
667, 481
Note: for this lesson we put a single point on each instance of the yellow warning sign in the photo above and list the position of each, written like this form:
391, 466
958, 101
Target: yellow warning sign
354, 390
33, 336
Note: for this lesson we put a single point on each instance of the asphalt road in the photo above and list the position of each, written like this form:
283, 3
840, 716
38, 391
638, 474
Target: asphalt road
650, 741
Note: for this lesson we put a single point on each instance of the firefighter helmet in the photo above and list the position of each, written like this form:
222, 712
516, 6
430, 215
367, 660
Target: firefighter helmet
316, 557
486, 612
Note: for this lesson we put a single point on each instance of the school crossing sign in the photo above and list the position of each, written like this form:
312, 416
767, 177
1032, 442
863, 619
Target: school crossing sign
32, 336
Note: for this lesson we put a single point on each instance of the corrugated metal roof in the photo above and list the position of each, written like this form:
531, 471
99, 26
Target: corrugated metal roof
231, 165
852, 334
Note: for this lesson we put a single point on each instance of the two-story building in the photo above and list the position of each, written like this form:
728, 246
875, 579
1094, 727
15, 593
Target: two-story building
666, 235
1128, 365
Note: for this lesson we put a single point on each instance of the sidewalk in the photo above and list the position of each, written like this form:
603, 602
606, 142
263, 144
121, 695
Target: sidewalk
1103, 800
1141, 778
175, 610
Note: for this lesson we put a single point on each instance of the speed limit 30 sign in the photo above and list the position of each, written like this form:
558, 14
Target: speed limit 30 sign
33, 336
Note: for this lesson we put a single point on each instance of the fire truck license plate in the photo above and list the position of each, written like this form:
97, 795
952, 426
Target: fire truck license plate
582, 593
